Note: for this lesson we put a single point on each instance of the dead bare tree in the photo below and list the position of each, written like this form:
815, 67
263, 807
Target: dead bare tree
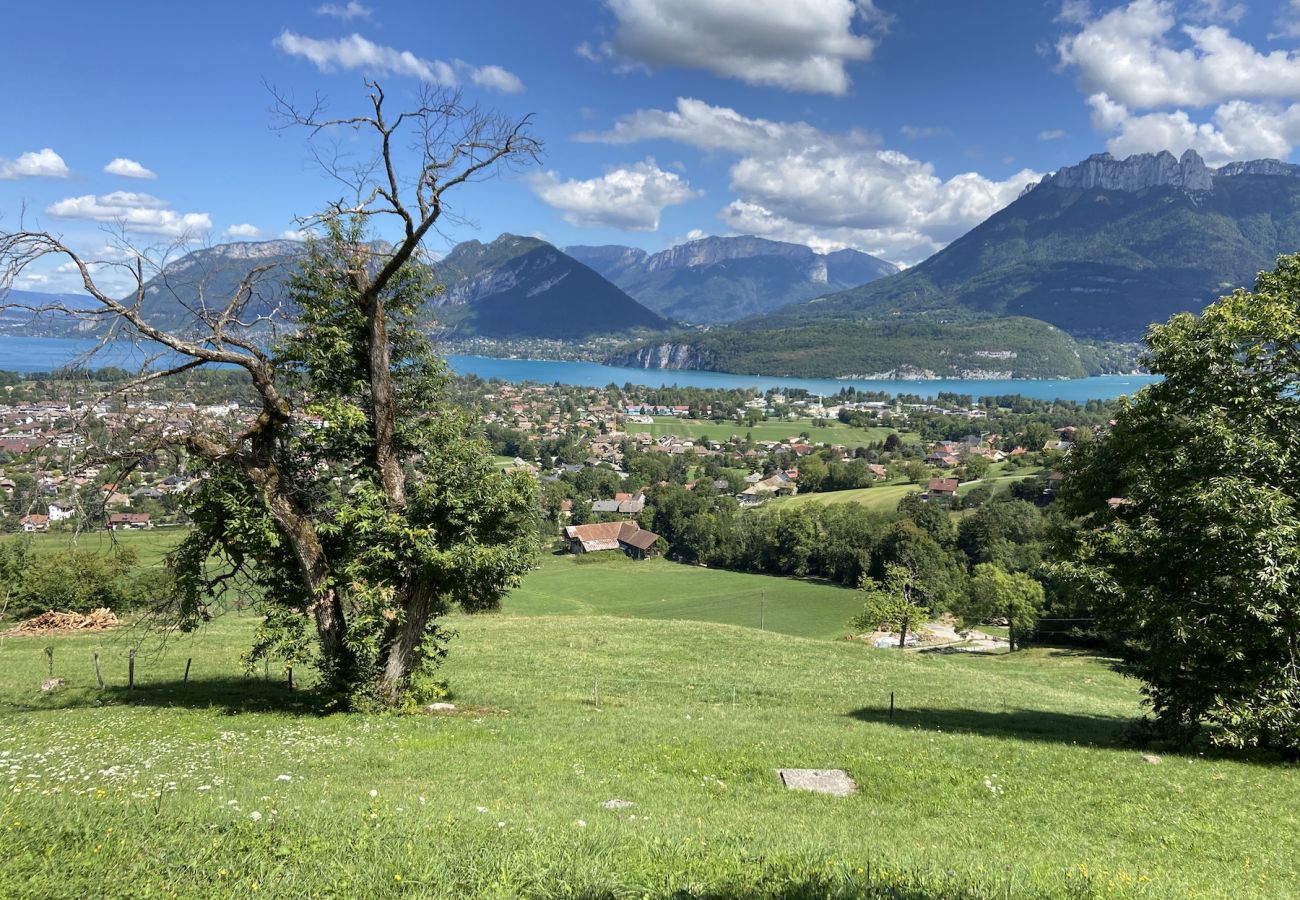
419, 156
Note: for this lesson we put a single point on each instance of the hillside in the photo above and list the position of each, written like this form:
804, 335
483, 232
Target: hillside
518, 287
912, 349
507, 798
721, 279
511, 288
1101, 249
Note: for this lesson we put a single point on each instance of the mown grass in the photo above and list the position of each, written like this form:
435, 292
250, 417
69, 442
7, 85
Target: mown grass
885, 497
775, 430
997, 776
151, 545
613, 585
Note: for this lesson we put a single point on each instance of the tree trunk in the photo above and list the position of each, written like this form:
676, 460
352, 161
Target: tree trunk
384, 404
404, 641
902, 635
1011, 631
326, 605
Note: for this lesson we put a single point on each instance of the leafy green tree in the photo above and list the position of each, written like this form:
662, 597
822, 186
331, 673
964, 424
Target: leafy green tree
975, 467
992, 592
915, 471
1189, 538
359, 534
895, 601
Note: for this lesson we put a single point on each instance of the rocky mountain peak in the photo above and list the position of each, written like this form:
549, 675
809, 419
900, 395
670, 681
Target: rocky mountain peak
1137, 172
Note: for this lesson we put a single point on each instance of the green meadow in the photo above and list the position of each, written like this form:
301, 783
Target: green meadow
1012, 775
773, 430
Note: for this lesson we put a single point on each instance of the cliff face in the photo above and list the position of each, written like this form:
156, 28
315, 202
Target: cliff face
661, 356
1146, 170
1142, 170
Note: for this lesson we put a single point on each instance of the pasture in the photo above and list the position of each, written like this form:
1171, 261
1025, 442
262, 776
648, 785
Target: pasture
773, 430
997, 776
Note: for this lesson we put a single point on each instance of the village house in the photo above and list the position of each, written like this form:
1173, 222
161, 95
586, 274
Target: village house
941, 488
129, 521
633, 540
34, 522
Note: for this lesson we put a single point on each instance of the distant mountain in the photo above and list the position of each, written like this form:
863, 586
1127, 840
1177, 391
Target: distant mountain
16, 316
1100, 249
513, 287
521, 287
721, 279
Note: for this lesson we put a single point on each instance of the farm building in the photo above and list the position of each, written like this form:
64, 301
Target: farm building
626, 536
127, 521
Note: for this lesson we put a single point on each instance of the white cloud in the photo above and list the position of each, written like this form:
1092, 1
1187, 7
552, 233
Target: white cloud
830, 190
1051, 134
242, 231
1157, 83
355, 52
141, 213
702, 125
128, 168
1237, 130
1288, 21
294, 234
345, 11
800, 45
37, 164
1133, 55
497, 79
631, 197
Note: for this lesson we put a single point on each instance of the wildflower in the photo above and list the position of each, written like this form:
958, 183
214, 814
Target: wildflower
374, 793
284, 778
582, 823
255, 816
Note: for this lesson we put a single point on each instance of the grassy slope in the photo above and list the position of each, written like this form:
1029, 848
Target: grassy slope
885, 497
835, 433
695, 719
656, 589
151, 544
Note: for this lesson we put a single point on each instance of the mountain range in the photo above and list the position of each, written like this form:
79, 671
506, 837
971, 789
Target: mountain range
1098, 250
720, 279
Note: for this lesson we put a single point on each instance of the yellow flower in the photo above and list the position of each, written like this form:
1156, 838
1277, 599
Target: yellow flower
397, 877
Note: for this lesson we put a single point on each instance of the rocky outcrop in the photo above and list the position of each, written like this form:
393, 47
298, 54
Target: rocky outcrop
1137, 172
1258, 167
1146, 170
660, 356
707, 251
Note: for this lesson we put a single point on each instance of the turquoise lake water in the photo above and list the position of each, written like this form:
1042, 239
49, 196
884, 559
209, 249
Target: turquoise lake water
24, 354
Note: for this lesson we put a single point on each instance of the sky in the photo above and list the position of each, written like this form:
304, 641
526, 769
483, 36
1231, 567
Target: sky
888, 126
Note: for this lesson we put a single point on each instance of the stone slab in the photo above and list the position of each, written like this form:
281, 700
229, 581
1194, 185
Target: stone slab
835, 782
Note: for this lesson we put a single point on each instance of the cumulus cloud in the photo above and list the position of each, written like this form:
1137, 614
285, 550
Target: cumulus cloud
497, 79
242, 231
128, 168
355, 52
345, 11
1137, 56
1156, 82
43, 163
799, 45
143, 213
630, 197
829, 190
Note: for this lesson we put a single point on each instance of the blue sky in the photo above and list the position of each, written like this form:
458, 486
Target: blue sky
888, 126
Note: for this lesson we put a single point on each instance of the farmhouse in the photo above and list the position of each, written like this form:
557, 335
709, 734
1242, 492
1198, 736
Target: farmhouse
34, 523
633, 540
942, 487
125, 521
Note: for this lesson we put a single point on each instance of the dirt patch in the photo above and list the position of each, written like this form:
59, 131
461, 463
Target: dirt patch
53, 622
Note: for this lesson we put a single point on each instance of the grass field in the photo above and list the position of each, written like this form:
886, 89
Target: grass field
834, 433
150, 544
614, 585
885, 497
997, 776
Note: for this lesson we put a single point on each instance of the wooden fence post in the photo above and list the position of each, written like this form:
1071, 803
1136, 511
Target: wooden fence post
186, 680
130, 671
99, 677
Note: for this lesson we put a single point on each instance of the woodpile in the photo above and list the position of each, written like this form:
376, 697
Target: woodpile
52, 622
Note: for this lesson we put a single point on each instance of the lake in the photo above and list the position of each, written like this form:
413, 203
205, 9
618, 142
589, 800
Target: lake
27, 354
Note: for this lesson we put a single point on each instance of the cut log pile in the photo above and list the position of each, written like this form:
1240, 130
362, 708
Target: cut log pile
51, 622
